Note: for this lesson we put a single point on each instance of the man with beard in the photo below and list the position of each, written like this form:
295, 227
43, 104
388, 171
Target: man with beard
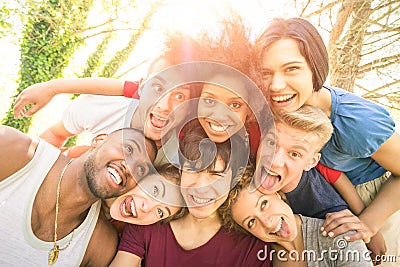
50, 204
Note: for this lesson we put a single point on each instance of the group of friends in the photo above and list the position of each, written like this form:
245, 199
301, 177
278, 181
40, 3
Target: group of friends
231, 152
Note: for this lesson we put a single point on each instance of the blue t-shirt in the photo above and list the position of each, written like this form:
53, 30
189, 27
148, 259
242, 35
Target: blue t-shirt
314, 196
360, 128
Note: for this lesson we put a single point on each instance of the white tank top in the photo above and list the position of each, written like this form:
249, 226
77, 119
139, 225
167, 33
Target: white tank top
18, 244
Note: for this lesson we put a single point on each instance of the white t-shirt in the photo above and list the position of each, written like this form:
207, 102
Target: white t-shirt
98, 114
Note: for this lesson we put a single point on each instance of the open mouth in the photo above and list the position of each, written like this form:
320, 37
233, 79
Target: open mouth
283, 98
269, 179
217, 127
116, 177
278, 226
128, 208
282, 229
158, 122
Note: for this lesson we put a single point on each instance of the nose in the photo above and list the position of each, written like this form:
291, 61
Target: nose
277, 82
268, 222
202, 182
163, 104
148, 205
223, 114
278, 159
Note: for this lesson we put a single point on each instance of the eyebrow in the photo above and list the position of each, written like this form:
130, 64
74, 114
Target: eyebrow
232, 98
135, 143
286, 64
157, 77
258, 200
292, 62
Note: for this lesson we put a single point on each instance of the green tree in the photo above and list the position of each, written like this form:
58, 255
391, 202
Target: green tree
49, 38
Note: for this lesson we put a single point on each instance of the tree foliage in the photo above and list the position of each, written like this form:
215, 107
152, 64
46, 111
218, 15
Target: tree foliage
49, 38
364, 36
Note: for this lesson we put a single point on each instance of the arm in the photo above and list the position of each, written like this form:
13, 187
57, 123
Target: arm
346, 189
377, 244
41, 93
124, 258
17, 150
386, 202
103, 244
56, 134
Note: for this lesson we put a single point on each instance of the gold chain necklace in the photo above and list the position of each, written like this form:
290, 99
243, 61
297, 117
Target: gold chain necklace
53, 254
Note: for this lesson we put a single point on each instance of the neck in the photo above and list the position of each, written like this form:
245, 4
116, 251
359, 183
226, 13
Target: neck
74, 191
213, 219
322, 100
186, 228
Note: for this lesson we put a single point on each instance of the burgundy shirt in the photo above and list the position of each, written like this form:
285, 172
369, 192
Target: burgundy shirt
157, 246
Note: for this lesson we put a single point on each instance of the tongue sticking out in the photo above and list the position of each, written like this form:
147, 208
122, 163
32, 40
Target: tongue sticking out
269, 181
159, 123
284, 231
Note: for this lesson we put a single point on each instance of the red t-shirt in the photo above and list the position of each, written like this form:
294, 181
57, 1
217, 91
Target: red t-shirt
156, 244
329, 174
131, 89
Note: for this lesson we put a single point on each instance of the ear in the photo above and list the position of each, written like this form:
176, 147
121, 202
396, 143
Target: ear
313, 162
98, 140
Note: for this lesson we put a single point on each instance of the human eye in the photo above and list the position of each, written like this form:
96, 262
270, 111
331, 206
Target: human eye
155, 190
157, 88
140, 171
128, 149
295, 154
208, 101
263, 204
235, 105
292, 68
250, 223
271, 142
160, 213
179, 96
266, 73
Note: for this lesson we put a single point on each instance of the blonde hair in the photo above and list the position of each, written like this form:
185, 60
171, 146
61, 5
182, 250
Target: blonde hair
309, 119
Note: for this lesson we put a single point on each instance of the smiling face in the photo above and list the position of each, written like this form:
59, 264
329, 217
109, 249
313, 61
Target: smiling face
115, 166
154, 199
287, 76
295, 151
159, 96
267, 217
221, 112
205, 191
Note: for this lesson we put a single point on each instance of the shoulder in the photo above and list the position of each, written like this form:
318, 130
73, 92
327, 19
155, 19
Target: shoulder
351, 106
103, 244
19, 147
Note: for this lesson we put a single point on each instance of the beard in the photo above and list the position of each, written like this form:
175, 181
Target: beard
96, 188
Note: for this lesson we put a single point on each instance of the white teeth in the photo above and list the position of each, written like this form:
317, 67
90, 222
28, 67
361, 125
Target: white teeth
201, 201
159, 118
217, 128
133, 209
114, 174
282, 98
272, 173
124, 209
278, 227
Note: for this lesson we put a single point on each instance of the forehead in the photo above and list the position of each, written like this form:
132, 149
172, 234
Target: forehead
283, 50
234, 85
289, 135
